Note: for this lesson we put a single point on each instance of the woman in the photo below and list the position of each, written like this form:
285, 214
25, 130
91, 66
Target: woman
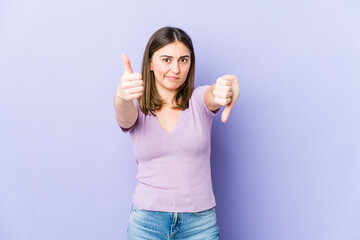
170, 126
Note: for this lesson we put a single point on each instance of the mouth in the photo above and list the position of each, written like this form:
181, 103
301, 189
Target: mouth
172, 78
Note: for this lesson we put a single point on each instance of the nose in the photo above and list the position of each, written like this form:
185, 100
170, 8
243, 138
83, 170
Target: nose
175, 67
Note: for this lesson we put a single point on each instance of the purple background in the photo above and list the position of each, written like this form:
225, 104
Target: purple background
285, 166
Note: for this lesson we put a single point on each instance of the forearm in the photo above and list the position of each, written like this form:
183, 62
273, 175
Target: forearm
126, 112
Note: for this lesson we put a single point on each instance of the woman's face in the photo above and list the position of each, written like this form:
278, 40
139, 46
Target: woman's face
170, 65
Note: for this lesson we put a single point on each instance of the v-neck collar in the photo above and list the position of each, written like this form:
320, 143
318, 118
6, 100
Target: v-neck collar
176, 125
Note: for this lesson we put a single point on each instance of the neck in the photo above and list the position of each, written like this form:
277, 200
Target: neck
167, 96
168, 100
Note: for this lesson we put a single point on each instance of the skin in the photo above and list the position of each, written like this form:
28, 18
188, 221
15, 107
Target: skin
170, 65
224, 92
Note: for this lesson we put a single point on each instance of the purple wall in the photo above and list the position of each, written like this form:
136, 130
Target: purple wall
285, 166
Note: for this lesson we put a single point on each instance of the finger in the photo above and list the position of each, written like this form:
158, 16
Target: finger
135, 83
229, 107
132, 76
229, 77
134, 90
225, 114
222, 101
135, 95
223, 88
222, 94
127, 65
223, 81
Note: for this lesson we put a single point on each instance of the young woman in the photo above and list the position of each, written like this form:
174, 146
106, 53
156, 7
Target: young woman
169, 123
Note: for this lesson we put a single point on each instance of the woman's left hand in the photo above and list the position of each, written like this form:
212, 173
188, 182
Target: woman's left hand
226, 93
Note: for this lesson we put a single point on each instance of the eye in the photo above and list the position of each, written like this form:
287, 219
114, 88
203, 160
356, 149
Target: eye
183, 60
167, 60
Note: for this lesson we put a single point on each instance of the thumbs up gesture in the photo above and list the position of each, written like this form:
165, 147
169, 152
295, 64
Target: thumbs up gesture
226, 93
131, 85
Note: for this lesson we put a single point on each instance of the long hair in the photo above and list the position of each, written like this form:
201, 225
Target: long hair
151, 100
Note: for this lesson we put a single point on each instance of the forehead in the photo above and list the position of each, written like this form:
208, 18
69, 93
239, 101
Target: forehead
173, 49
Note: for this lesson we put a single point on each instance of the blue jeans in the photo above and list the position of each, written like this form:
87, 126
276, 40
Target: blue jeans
153, 225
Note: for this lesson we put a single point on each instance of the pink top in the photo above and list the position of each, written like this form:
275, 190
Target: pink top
174, 168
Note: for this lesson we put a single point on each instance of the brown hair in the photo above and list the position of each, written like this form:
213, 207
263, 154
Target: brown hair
151, 100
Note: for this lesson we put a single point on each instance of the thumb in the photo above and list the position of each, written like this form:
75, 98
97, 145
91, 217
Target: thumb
127, 64
235, 96
225, 114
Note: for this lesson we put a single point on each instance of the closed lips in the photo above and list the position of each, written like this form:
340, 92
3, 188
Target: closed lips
172, 78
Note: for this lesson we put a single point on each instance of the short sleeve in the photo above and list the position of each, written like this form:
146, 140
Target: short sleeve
198, 96
131, 129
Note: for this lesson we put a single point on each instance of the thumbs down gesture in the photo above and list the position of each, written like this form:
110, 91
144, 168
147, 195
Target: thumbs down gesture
226, 92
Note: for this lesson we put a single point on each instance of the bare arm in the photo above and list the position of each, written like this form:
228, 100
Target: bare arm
224, 92
130, 88
126, 112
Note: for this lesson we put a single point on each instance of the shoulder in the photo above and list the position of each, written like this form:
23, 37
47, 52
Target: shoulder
201, 89
199, 92
198, 99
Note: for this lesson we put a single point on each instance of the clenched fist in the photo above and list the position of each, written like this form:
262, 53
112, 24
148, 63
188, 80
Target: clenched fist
226, 93
131, 85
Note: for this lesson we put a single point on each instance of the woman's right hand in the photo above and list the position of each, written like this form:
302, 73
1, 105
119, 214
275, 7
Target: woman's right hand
131, 85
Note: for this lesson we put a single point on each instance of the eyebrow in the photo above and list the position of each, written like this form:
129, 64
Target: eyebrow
185, 56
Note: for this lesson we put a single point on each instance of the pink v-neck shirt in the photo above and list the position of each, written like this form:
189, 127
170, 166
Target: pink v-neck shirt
174, 167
